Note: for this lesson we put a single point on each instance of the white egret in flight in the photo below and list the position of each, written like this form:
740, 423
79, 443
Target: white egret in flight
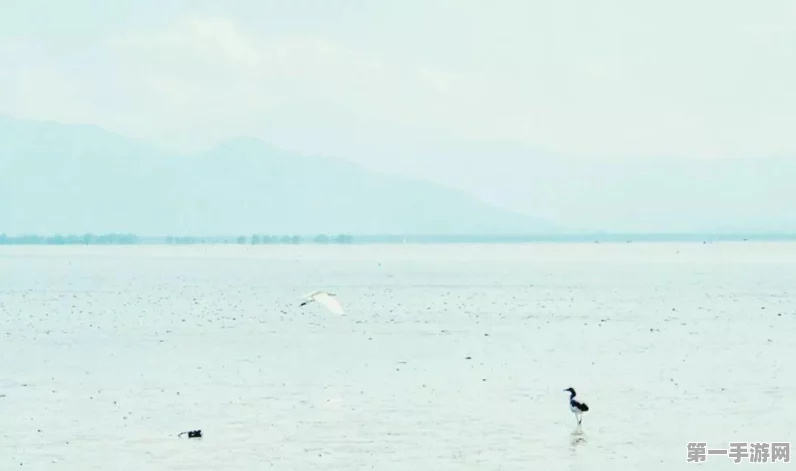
329, 300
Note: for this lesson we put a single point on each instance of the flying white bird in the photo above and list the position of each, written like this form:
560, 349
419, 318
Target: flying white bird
327, 299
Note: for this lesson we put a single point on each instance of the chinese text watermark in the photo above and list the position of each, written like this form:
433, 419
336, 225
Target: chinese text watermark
752, 452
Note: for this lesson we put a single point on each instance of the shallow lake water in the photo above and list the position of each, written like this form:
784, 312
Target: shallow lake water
449, 357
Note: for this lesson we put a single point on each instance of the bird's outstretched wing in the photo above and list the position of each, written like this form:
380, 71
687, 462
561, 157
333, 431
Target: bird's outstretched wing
312, 294
330, 302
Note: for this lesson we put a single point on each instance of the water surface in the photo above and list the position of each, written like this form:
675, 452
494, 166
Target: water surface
450, 357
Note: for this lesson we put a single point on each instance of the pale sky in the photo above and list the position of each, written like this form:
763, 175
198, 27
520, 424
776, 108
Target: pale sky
690, 78
457, 91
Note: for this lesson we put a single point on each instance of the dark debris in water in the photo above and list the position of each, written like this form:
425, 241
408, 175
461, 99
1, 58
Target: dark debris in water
191, 434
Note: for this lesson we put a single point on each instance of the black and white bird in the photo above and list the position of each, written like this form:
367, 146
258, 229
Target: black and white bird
577, 407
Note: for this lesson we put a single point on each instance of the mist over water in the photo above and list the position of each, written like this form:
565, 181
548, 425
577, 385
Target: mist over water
450, 357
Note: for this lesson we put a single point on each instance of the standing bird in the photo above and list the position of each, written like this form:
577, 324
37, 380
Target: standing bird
327, 299
577, 408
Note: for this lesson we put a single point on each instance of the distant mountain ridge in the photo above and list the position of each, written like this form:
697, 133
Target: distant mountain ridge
641, 193
59, 178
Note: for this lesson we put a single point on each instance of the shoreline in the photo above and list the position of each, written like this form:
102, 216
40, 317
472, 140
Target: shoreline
369, 239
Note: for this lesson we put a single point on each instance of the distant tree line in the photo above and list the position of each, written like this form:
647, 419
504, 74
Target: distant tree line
69, 239
262, 239
128, 239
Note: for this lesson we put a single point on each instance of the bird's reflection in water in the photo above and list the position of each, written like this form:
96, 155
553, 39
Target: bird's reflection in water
576, 439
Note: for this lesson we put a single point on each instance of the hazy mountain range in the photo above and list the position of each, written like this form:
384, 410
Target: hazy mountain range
57, 178
643, 193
